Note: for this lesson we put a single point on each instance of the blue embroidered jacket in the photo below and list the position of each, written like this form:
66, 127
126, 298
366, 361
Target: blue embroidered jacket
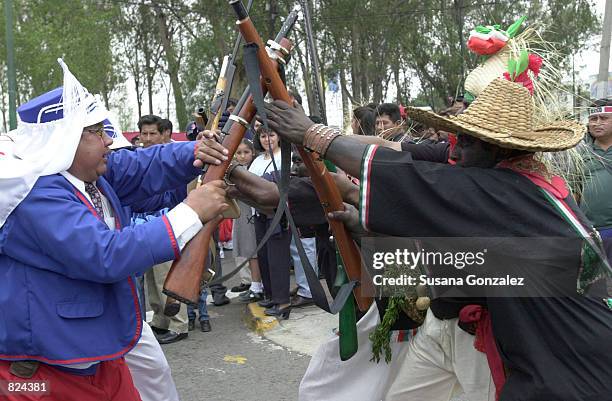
66, 290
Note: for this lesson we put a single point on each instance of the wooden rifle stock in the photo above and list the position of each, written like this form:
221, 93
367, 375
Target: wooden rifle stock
326, 189
172, 306
185, 275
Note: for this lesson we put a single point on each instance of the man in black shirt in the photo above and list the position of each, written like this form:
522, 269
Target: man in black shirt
550, 346
303, 203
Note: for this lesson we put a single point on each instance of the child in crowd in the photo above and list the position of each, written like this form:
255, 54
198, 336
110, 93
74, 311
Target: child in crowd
244, 237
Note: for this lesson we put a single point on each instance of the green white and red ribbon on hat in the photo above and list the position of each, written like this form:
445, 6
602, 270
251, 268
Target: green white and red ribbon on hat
488, 40
518, 69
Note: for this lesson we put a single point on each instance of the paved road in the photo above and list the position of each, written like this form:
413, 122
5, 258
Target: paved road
231, 363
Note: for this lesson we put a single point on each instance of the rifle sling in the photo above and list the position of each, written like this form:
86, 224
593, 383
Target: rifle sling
318, 293
254, 83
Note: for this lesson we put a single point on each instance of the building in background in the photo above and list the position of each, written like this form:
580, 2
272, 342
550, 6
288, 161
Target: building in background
598, 89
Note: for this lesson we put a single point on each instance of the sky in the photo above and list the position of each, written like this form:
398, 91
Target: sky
586, 62
590, 58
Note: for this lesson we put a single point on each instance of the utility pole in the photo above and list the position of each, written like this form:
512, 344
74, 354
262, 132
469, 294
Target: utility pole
10, 62
573, 84
604, 53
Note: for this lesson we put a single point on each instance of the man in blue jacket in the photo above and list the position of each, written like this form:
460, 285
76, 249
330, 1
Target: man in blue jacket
68, 305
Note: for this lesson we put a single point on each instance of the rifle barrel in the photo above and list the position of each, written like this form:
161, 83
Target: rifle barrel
183, 280
327, 191
284, 31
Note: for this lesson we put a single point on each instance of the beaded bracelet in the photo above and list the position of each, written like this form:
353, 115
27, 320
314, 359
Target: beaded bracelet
230, 169
318, 138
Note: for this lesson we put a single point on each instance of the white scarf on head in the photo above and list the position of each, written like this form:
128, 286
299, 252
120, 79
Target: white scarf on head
35, 150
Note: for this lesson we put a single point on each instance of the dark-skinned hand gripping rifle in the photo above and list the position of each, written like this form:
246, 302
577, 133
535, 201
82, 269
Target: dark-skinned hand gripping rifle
184, 278
326, 189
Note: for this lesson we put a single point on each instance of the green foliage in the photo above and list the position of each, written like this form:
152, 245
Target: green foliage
77, 30
212, 36
426, 39
2, 33
381, 336
570, 24
415, 48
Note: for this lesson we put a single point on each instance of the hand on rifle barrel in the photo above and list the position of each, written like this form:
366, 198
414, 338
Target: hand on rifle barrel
208, 201
290, 122
210, 151
208, 140
350, 217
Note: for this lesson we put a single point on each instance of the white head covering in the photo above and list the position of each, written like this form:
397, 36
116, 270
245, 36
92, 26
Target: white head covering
112, 129
46, 145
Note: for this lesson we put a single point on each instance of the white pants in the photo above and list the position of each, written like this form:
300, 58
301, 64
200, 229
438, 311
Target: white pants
358, 379
441, 359
150, 370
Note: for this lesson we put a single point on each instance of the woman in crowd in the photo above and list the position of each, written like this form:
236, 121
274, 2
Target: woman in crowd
274, 258
364, 121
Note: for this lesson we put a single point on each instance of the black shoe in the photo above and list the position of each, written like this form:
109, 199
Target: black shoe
250, 296
241, 288
171, 337
191, 324
266, 303
299, 301
279, 313
205, 326
224, 300
159, 331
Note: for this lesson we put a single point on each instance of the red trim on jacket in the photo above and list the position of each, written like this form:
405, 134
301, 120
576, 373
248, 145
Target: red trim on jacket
99, 358
175, 247
369, 182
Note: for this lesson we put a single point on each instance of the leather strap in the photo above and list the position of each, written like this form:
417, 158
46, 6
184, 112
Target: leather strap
318, 293
253, 73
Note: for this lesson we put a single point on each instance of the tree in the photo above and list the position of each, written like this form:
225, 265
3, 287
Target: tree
427, 39
173, 62
46, 31
413, 48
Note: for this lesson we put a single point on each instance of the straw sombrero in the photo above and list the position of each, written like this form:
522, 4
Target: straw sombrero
503, 115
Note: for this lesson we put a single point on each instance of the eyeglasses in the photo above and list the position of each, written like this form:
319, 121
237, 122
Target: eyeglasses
98, 131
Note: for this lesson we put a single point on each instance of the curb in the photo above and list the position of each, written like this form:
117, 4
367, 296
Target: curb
256, 320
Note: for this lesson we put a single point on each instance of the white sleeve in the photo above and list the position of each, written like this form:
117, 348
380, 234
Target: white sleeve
185, 223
